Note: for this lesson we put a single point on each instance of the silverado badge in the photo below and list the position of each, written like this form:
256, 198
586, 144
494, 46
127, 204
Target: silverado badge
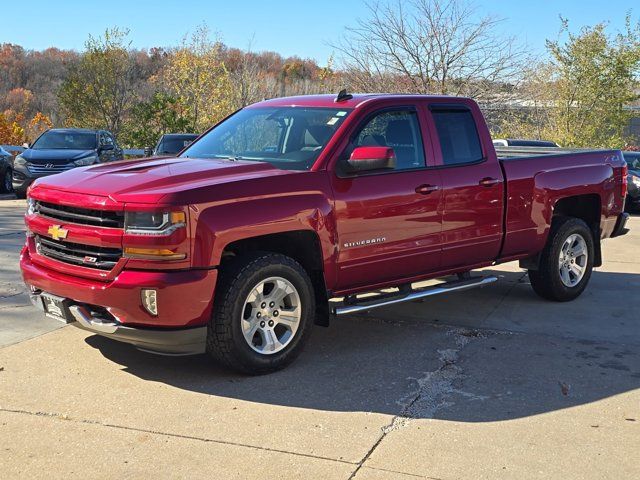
57, 232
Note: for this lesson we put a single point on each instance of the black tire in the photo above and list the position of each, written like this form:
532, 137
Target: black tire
6, 186
546, 281
21, 194
225, 340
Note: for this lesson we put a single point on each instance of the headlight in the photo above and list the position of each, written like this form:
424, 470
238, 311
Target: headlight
635, 180
83, 162
31, 206
153, 223
19, 161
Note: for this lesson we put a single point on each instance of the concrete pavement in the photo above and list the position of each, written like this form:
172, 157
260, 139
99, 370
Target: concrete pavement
17, 319
493, 383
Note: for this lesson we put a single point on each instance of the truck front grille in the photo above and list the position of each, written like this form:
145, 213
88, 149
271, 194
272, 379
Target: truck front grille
85, 255
82, 216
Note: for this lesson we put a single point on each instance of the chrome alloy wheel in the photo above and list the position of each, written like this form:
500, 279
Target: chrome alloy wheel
271, 315
573, 260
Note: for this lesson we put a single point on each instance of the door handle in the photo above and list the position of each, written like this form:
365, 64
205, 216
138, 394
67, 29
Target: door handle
489, 182
426, 189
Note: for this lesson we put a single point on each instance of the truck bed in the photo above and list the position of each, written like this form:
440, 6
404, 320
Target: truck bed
536, 177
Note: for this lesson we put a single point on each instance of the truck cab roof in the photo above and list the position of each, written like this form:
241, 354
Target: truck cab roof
354, 101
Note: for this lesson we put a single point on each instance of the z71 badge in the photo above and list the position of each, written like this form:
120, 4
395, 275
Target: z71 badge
368, 241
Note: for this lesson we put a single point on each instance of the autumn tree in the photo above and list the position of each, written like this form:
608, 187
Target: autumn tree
102, 87
37, 125
11, 133
595, 78
580, 96
247, 79
151, 119
196, 76
428, 46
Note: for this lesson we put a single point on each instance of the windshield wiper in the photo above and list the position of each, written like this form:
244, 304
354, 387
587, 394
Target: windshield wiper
231, 158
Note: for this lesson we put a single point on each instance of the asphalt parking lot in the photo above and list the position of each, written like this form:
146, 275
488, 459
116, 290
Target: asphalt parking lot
491, 383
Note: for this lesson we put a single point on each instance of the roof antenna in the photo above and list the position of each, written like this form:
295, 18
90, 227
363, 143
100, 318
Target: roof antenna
343, 96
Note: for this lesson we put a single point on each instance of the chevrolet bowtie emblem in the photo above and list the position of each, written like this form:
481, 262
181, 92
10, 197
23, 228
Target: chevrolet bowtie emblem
57, 232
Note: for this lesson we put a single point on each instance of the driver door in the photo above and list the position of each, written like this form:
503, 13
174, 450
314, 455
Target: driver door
389, 222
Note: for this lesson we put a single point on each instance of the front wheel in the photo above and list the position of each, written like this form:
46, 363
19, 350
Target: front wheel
566, 262
263, 313
7, 185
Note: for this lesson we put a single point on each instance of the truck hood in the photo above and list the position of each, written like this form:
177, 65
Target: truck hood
152, 180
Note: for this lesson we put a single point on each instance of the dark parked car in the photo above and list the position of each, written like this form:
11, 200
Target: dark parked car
61, 149
633, 180
172, 143
5, 171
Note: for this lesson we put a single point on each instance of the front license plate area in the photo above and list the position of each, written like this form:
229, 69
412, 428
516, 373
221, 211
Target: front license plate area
56, 307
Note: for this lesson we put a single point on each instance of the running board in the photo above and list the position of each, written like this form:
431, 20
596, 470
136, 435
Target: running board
400, 297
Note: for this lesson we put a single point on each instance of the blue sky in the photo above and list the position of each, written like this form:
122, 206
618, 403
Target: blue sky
300, 27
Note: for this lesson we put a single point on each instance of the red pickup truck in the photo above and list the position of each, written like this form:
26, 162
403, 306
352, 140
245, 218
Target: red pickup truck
289, 211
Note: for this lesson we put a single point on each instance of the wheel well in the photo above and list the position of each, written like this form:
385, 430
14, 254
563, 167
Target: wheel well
585, 207
588, 208
301, 245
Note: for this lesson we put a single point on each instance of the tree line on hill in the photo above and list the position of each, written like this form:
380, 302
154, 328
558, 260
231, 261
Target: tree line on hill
578, 94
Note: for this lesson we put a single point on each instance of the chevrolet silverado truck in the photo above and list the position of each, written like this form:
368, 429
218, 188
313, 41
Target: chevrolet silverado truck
293, 210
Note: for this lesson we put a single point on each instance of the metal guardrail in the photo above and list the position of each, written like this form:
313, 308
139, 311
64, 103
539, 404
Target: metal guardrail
132, 152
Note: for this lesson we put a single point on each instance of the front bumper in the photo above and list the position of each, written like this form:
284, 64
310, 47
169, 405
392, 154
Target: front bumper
22, 178
188, 341
21, 181
185, 301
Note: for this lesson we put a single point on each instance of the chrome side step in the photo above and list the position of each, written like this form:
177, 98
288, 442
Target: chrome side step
401, 297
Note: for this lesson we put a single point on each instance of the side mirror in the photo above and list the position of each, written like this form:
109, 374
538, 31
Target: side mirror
148, 151
26, 145
364, 159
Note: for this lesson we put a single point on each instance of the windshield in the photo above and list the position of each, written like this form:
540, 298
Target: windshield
66, 140
174, 144
287, 137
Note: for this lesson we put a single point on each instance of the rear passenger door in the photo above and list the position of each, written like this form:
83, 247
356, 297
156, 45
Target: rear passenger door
388, 221
473, 188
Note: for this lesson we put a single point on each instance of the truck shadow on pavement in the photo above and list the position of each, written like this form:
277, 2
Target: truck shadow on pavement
493, 354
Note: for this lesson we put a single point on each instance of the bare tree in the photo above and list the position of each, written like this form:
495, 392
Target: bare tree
429, 46
246, 77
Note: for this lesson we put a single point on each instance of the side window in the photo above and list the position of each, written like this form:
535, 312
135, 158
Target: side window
458, 136
398, 129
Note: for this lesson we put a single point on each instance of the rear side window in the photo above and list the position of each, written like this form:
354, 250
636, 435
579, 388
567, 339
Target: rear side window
458, 136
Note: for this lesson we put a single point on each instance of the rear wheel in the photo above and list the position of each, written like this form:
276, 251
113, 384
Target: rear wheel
566, 262
263, 313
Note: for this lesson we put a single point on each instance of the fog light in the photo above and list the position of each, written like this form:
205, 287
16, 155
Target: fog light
150, 301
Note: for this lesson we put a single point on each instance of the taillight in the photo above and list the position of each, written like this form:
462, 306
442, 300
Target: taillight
625, 176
